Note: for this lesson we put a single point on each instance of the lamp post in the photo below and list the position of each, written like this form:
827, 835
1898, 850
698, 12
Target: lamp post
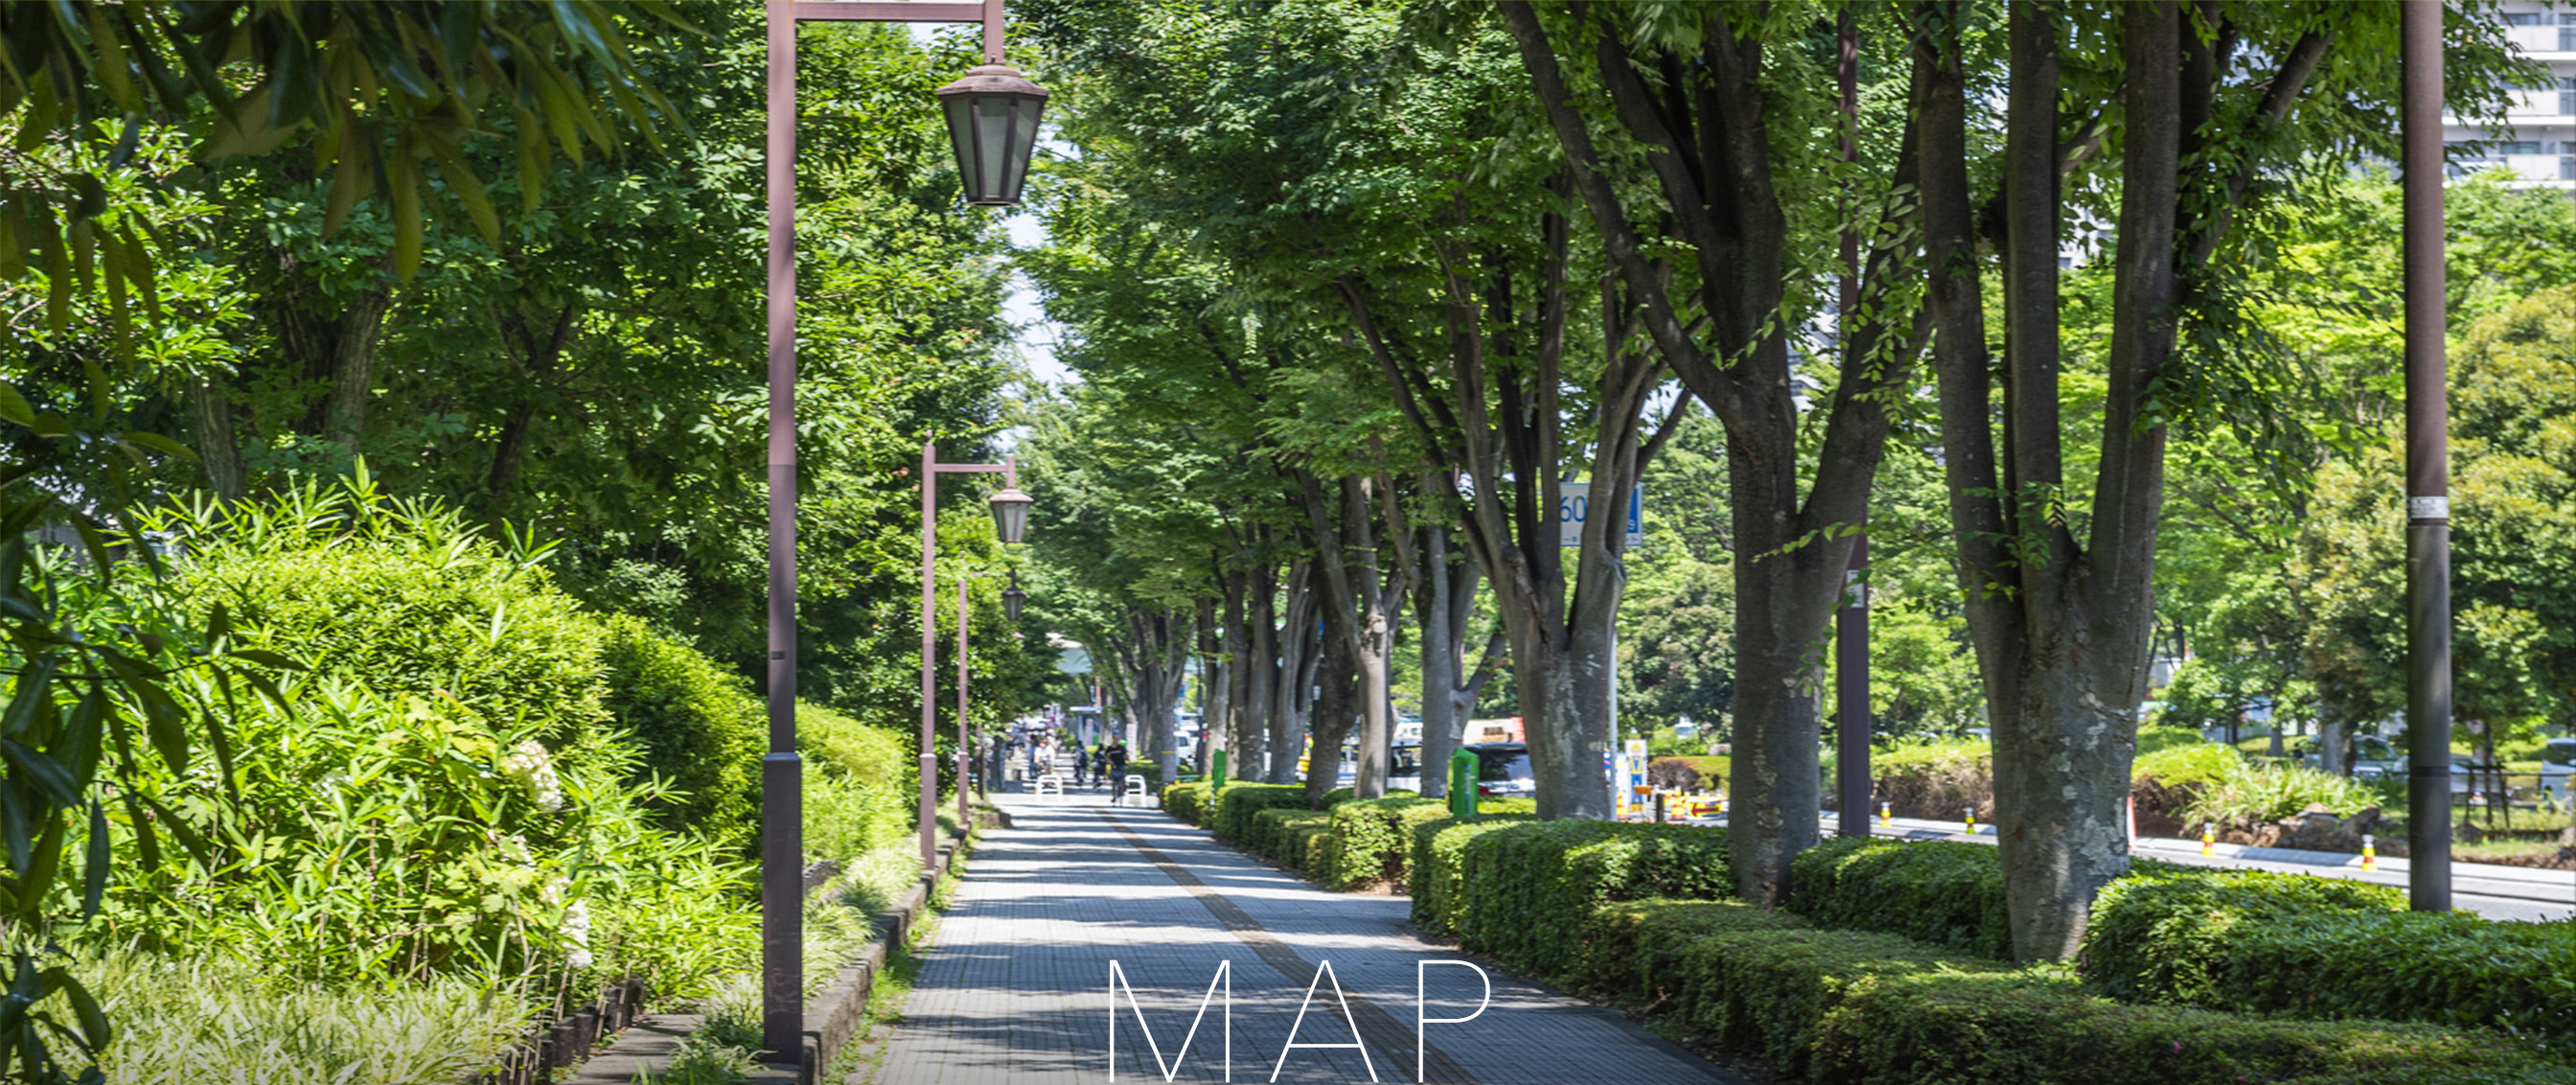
992, 120
2428, 462
1010, 522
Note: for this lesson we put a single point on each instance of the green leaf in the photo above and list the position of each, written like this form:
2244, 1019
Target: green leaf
94, 865
35, 687
166, 726
49, 775
15, 408
267, 658
403, 174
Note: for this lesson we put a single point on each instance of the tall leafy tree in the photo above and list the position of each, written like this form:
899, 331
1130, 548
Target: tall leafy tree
2208, 104
1722, 256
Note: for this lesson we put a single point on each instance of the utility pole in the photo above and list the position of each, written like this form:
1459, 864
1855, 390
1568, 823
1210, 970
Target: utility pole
2428, 465
1851, 623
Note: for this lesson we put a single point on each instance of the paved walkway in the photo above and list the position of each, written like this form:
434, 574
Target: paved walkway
1015, 989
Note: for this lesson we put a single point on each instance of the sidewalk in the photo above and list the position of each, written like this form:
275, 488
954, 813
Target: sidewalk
1015, 989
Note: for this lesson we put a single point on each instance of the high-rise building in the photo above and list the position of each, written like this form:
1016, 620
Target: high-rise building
2538, 138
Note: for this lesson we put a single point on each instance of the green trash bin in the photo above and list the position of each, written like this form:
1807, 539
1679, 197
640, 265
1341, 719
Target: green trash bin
1216, 770
1462, 783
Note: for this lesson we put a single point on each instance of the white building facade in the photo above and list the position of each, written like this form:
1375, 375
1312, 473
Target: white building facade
2538, 141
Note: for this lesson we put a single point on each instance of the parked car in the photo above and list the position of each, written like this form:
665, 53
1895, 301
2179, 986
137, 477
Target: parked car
2372, 758
1403, 770
2557, 766
1503, 769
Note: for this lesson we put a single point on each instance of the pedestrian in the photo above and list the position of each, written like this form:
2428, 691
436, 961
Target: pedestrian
1117, 763
1043, 757
1081, 764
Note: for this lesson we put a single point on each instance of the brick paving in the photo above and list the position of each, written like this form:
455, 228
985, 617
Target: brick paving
1014, 990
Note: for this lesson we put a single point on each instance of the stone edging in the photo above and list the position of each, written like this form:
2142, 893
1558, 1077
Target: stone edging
832, 1016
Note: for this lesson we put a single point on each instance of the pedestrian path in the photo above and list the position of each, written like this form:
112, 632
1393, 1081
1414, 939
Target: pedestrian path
1015, 988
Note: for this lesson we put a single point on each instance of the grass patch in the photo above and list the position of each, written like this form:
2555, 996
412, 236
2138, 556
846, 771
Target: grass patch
191, 1021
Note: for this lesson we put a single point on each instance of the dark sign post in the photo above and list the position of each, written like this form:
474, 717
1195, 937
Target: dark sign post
2428, 465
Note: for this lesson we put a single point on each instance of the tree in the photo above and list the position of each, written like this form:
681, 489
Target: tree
1693, 101
389, 93
2201, 101
2513, 397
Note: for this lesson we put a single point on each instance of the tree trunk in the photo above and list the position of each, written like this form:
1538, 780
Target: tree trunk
333, 342
1443, 663
1228, 728
210, 413
1297, 659
1355, 606
1215, 682
1337, 706
1254, 738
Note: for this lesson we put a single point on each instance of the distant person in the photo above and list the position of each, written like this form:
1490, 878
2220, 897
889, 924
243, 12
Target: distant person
1117, 762
1081, 764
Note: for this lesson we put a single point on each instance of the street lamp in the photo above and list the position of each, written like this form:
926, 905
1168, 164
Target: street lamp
1010, 510
990, 92
1013, 598
1011, 515
993, 122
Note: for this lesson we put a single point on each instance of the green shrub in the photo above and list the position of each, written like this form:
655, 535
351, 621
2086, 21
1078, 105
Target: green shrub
697, 725
1188, 801
2185, 764
1373, 839
1530, 888
2156, 737
1864, 1007
1237, 805
1935, 779
859, 784
1280, 833
406, 599
2312, 947
1439, 870
1949, 893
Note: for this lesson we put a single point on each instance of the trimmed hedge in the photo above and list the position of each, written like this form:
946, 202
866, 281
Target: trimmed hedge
1235, 808
1373, 838
1284, 833
1188, 801
1529, 888
1867, 1007
1439, 867
1946, 892
2286, 943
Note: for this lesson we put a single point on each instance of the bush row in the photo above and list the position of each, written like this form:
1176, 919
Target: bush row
1949, 893
2245, 940
1371, 838
1516, 887
1294, 837
1829, 1005
1921, 992
1188, 801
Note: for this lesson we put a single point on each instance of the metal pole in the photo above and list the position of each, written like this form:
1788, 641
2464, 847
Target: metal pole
782, 774
929, 654
963, 817
1851, 623
2428, 454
